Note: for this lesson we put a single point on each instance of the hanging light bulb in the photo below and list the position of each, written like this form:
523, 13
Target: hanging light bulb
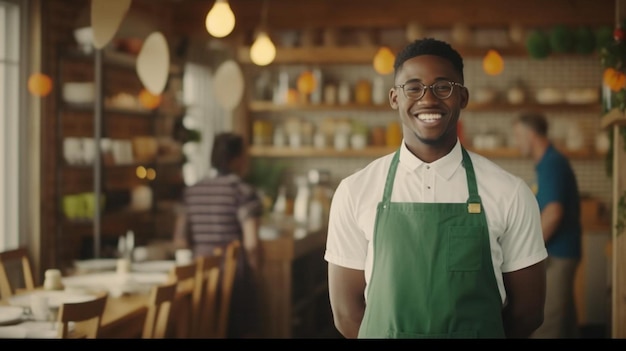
220, 20
263, 50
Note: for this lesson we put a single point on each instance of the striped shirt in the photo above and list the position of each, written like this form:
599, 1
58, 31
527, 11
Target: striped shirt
216, 208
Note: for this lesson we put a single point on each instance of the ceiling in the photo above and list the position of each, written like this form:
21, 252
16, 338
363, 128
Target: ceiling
189, 15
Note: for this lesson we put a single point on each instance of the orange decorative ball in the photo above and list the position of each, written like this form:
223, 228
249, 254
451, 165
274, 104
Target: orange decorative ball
39, 84
614, 79
493, 64
149, 100
383, 60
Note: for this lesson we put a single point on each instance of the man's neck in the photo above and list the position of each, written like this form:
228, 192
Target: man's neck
539, 149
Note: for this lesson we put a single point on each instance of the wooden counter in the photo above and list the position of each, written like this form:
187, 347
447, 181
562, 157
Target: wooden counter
294, 286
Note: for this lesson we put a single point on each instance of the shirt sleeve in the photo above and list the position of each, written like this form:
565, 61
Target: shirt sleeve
250, 204
346, 244
522, 243
552, 185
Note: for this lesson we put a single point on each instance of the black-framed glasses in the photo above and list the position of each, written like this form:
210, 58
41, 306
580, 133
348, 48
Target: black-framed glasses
415, 90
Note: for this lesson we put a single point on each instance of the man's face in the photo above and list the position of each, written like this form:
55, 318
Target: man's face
430, 120
521, 138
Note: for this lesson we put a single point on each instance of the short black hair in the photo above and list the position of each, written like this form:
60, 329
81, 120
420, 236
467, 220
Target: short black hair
534, 121
429, 46
226, 147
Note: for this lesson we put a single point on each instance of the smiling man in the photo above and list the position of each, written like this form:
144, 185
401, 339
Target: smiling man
433, 241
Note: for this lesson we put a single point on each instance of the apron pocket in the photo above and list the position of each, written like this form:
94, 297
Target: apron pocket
465, 248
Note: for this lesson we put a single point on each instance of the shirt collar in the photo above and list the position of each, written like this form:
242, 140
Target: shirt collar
444, 167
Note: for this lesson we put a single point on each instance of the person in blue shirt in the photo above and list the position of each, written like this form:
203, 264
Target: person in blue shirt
557, 193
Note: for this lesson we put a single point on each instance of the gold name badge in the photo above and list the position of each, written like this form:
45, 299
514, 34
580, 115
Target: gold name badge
473, 208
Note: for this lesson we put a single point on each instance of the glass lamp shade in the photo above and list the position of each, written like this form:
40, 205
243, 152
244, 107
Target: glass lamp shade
220, 20
263, 51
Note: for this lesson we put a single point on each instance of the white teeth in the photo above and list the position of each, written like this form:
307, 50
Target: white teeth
429, 116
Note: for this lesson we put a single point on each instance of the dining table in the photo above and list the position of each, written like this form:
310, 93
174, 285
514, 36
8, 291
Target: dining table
124, 313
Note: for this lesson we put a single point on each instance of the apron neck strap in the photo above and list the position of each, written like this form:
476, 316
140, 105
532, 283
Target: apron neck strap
471, 178
391, 175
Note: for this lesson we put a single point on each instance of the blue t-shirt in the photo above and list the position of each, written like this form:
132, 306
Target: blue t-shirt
556, 181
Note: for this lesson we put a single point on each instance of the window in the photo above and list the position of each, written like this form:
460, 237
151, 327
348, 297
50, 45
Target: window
203, 115
11, 121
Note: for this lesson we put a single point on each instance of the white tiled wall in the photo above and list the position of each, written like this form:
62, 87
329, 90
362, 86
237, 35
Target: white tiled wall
557, 72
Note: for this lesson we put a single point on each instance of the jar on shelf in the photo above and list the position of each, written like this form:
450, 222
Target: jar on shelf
343, 93
363, 92
316, 95
379, 95
330, 94
261, 132
393, 135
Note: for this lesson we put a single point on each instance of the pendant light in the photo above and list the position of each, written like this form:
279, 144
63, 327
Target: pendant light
263, 50
220, 20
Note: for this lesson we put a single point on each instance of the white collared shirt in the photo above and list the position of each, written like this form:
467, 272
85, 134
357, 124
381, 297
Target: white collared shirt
510, 207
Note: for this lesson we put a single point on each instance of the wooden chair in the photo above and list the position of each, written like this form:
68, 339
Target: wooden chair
160, 306
87, 318
185, 278
229, 270
11, 262
205, 296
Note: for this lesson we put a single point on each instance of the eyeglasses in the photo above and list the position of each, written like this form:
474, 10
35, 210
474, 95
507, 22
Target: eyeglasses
415, 90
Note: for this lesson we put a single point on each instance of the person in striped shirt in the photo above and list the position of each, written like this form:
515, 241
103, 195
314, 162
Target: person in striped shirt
218, 209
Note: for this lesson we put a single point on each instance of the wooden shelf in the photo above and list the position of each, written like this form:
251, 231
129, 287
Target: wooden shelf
269, 151
90, 108
112, 58
268, 106
359, 54
372, 152
504, 107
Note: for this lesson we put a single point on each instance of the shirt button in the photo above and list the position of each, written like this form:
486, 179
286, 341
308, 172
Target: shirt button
428, 187
427, 167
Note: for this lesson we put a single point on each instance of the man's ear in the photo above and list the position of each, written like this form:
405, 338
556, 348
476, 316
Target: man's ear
464, 97
393, 98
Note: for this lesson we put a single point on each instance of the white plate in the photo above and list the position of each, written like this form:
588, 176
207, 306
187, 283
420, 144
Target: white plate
153, 63
10, 314
229, 84
32, 330
55, 298
163, 266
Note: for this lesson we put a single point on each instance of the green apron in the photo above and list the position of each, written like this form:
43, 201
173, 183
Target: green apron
432, 275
